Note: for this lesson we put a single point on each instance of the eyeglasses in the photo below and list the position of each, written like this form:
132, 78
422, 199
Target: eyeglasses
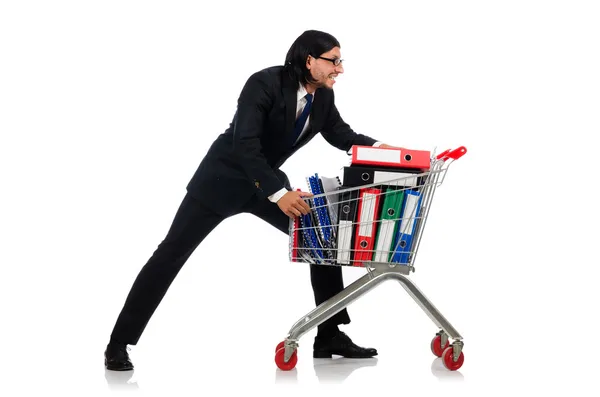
335, 61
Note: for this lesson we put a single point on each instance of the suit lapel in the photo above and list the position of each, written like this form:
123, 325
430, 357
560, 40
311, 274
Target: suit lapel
316, 112
290, 96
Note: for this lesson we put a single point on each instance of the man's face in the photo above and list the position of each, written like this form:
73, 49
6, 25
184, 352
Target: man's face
325, 71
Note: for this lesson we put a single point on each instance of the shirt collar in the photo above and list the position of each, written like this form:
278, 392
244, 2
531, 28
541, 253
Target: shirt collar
302, 93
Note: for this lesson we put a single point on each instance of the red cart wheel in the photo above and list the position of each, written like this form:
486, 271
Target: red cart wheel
279, 360
449, 363
436, 346
279, 346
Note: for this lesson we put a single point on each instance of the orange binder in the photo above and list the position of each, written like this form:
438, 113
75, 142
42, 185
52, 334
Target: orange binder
388, 157
366, 227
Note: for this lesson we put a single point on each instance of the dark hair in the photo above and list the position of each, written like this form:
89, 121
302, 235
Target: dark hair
311, 42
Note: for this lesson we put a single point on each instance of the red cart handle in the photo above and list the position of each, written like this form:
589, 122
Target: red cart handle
439, 156
453, 154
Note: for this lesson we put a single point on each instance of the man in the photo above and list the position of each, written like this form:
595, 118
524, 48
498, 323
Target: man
276, 116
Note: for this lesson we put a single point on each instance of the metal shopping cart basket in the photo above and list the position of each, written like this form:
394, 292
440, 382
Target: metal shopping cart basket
377, 226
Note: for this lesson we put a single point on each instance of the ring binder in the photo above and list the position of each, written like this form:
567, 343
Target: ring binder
391, 157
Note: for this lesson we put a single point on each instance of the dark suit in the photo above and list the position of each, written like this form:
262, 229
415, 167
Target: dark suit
238, 174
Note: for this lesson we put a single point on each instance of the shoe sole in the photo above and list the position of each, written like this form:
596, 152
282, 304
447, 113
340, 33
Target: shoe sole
118, 369
330, 355
322, 355
111, 368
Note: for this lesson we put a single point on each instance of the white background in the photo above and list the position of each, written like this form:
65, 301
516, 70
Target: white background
106, 109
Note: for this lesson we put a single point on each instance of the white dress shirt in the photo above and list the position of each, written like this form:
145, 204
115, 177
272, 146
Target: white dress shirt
301, 102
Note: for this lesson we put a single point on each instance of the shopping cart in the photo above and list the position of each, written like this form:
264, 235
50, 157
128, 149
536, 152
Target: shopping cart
376, 226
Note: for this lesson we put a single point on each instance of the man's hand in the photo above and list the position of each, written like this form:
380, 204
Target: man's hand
293, 205
383, 145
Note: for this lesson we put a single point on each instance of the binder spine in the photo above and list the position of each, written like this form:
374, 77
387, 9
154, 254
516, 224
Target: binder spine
404, 237
348, 202
310, 240
322, 224
295, 240
326, 213
323, 216
367, 225
296, 250
330, 185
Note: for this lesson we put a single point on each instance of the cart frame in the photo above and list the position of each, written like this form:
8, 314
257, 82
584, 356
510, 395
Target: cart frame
447, 343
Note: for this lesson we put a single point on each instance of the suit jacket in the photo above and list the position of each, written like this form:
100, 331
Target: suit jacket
245, 159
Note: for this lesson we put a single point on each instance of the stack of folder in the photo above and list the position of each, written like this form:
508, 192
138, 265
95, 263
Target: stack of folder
315, 234
370, 217
380, 204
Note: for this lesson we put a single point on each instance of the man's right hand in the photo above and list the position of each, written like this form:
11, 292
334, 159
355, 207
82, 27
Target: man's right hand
293, 205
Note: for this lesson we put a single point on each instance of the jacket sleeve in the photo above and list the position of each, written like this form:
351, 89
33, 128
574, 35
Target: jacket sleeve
254, 103
339, 134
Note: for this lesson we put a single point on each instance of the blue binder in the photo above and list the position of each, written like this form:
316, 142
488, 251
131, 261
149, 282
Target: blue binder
309, 237
406, 227
323, 220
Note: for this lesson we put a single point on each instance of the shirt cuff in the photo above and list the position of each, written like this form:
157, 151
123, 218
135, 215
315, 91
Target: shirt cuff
276, 196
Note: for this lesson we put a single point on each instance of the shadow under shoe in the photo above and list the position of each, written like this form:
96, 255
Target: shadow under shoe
337, 370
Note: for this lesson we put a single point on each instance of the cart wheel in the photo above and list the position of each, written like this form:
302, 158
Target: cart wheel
448, 360
279, 346
279, 360
436, 346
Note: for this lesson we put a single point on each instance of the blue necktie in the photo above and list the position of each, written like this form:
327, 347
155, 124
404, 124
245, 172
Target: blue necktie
299, 126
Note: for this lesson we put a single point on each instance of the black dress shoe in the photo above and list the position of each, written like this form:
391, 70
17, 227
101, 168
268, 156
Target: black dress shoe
340, 345
116, 358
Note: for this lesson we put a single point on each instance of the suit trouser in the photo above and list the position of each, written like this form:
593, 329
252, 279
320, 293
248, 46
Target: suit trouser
192, 223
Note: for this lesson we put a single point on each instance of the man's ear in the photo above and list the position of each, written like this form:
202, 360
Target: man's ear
308, 62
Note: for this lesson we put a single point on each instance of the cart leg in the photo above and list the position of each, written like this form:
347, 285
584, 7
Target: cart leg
335, 304
357, 289
446, 329
428, 307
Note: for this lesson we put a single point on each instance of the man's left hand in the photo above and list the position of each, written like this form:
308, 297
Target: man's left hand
384, 146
